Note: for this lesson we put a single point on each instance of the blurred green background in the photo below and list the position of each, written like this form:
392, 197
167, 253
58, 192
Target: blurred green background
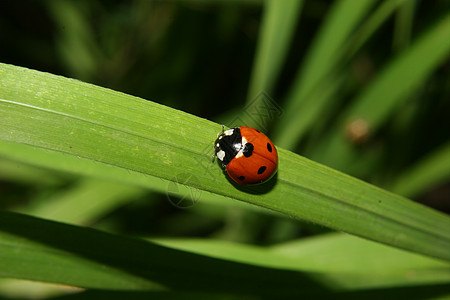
342, 76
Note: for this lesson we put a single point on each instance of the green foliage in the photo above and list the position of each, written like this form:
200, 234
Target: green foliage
362, 87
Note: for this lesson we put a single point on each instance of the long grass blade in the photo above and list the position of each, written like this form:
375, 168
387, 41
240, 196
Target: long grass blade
128, 133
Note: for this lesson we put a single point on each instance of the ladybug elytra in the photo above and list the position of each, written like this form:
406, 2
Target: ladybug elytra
248, 156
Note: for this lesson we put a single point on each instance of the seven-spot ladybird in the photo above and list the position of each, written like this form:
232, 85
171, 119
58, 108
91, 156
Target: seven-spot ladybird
248, 156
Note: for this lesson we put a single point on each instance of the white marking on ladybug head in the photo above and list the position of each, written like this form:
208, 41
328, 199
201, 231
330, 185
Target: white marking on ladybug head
241, 149
229, 132
221, 155
240, 153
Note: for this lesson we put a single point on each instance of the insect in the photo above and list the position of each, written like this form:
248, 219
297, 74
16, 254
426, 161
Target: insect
248, 156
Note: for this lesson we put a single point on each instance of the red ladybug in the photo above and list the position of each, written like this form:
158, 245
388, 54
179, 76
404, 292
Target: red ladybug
248, 156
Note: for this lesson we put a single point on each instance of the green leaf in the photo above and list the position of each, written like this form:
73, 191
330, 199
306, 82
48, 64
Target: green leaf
354, 263
125, 134
47, 251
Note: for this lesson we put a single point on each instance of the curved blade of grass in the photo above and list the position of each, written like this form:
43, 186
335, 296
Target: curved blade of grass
278, 26
321, 59
128, 133
354, 263
439, 291
32, 290
47, 251
389, 89
36, 249
163, 295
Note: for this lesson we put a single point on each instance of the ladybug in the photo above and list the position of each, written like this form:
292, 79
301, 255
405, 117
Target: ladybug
248, 156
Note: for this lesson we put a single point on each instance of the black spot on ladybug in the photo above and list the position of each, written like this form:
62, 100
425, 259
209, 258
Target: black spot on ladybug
261, 170
258, 131
269, 147
248, 150
241, 178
